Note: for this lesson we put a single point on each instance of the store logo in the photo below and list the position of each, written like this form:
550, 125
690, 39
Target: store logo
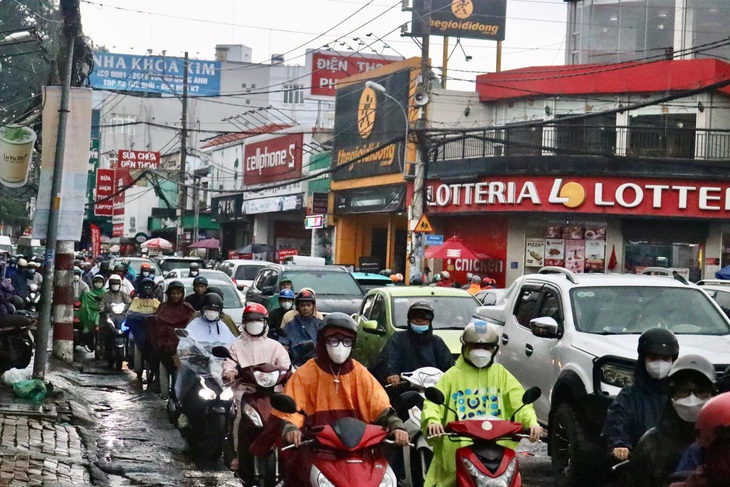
572, 194
462, 9
366, 112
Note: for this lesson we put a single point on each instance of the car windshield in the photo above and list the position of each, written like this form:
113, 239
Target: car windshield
635, 309
449, 311
136, 266
169, 264
324, 282
230, 294
247, 272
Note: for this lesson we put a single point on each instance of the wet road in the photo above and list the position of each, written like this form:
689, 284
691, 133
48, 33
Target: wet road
135, 444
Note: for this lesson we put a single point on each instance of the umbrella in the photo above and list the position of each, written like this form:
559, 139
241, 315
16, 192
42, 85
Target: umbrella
255, 248
723, 273
114, 249
453, 248
157, 243
209, 243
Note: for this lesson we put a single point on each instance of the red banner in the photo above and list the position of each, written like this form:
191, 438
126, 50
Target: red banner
284, 253
275, 159
138, 159
607, 195
95, 240
105, 184
328, 68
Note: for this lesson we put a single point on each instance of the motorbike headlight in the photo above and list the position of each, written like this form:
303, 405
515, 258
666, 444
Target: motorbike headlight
266, 379
482, 480
253, 415
616, 375
227, 394
205, 392
388, 480
323, 481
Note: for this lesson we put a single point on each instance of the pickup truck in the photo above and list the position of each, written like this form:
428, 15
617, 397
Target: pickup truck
575, 336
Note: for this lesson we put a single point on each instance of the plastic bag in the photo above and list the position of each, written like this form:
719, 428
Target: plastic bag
14, 375
34, 389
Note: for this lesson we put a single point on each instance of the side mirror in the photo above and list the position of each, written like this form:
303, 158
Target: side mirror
435, 396
406, 401
544, 327
371, 326
283, 403
181, 332
240, 286
268, 290
531, 395
221, 352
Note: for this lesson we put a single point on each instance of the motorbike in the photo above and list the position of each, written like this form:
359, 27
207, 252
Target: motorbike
302, 352
259, 382
16, 342
201, 403
408, 405
485, 462
138, 344
32, 301
345, 453
117, 336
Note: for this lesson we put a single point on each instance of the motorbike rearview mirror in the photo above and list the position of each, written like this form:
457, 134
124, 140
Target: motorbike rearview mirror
181, 332
406, 401
221, 352
435, 396
531, 395
283, 403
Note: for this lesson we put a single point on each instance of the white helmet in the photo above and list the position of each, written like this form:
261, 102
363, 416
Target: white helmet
445, 275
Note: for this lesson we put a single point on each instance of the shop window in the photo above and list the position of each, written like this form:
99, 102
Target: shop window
681, 257
594, 135
668, 135
577, 245
523, 141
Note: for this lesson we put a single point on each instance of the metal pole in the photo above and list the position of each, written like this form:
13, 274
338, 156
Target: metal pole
445, 63
183, 190
44, 325
499, 56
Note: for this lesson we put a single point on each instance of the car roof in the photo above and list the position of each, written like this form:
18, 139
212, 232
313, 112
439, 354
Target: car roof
368, 275
425, 291
247, 261
597, 279
189, 280
307, 268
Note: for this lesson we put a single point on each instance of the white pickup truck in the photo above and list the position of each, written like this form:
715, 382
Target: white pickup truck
575, 336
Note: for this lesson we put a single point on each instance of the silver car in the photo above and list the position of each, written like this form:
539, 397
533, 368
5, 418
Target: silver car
232, 304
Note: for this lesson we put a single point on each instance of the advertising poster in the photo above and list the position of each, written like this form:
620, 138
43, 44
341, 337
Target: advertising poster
535, 252
595, 255
555, 252
575, 255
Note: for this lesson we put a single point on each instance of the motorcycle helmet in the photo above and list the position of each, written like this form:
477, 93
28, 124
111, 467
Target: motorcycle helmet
22, 262
77, 271
174, 285
286, 294
215, 290
476, 279
285, 280
421, 307
200, 280
479, 332
696, 363
119, 267
212, 307
658, 341
445, 275
479, 344
714, 420
147, 285
437, 278
305, 295
115, 282
340, 321
255, 311
145, 267
194, 269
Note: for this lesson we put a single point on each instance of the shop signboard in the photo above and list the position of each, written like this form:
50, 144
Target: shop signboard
370, 128
138, 159
372, 199
154, 74
535, 252
475, 19
433, 240
227, 208
284, 253
583, 195
275, 159
328, 67
320, 203
105, 184
313, 221
273, 205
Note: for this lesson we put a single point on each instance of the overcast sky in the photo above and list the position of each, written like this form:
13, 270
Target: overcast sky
535, 30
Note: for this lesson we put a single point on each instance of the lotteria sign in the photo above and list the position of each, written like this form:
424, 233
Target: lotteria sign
616, 196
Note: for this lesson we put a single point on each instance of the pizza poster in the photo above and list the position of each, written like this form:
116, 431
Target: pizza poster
555, 252
535, 252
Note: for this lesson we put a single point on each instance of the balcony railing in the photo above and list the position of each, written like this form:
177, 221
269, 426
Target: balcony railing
556, 139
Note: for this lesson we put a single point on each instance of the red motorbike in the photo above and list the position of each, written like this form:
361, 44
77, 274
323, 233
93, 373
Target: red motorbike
342, 454
485, 462
259, 382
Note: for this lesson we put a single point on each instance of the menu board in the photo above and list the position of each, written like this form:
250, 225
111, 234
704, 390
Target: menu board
595, 254
535, 252
555, 252
575, 255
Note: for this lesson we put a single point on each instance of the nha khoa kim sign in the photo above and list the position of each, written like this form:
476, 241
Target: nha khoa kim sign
154, 74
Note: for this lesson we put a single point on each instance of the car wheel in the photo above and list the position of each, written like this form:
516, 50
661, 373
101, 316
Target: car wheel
576, 459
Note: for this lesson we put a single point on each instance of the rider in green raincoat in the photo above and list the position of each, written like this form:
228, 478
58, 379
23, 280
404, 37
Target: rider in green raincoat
91, 304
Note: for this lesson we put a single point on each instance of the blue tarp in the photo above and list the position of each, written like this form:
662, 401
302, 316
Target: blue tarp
723, 273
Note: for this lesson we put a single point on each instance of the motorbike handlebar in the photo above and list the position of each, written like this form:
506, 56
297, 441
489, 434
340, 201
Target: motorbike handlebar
392, 442
289, 447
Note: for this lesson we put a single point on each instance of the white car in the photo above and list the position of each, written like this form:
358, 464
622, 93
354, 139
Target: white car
242, 271
232, 303
575, 336
719, 290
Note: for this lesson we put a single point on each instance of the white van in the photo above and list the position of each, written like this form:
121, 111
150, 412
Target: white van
29, 247
5, 244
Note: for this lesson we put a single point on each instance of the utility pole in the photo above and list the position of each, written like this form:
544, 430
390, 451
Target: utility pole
183, 190
416, 258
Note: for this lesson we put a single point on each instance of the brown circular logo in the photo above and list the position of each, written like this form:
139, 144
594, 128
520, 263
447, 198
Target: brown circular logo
366, 112
462, 9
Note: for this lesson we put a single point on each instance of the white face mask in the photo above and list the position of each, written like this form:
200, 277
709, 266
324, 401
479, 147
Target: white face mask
114, 287
287, 305
658, 369
145, 274
212, 315
255, 328
480, 357
688, 408
77, 278
338, 354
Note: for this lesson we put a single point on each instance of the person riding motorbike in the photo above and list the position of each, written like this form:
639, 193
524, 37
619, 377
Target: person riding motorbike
286, 301
32, 274
115, 293
225, 317
638, 407
475, 387
292, 313
143, 305
12, 268
145, 271
20, 280
79, 286
194, 270
173, 313
120, 271
200, 287
273, 302
208, 328
713, 436
414, 348
690, 385
445, 280
303, 328
253, 347
91, 306
475, 286
334, 386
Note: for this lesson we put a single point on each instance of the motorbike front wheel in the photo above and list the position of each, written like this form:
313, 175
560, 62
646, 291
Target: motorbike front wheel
118, 358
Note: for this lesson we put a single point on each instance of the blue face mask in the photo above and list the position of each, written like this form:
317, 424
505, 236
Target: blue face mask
419, 328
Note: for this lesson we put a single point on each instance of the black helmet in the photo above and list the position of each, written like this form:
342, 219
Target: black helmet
200, 280
147, 282
339, 320
422, 306
658, 341
175, 285
212, 301
194, 266
215, 290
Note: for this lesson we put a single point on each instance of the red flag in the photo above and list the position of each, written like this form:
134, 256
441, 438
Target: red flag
612, 262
